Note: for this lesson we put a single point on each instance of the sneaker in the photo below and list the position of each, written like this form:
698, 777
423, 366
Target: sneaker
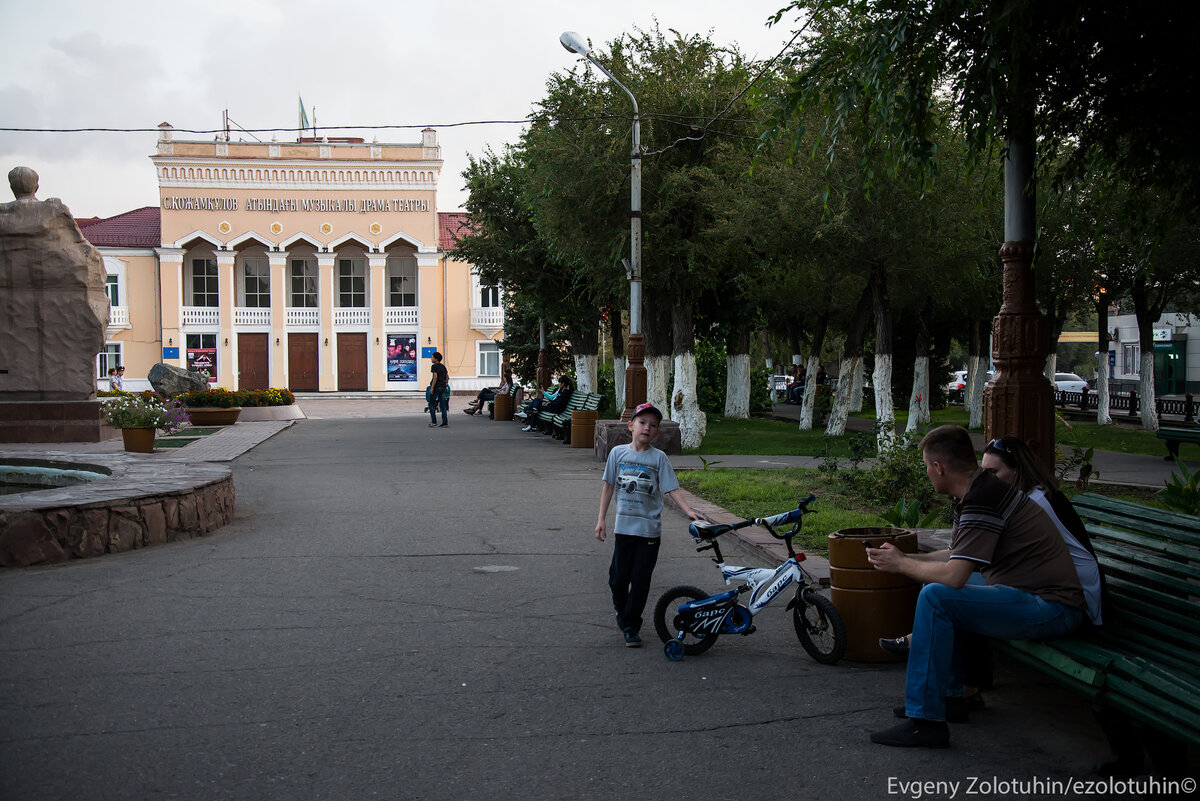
527, 428
898, 646
632, 640
915, 733
520, 415
432, 425
444, 425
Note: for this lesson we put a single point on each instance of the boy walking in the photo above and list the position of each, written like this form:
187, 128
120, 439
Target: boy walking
439, 391
640, 475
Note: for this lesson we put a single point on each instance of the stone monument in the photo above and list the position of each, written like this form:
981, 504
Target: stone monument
53, 315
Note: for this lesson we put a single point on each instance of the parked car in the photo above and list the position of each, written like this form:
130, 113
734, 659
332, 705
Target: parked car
956, 389
1069, 382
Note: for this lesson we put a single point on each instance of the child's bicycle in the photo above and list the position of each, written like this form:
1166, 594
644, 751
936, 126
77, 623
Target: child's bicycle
689, 620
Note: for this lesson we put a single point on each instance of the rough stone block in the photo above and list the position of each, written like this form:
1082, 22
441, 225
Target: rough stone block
29, 541
124, 534
611, 433
156, 523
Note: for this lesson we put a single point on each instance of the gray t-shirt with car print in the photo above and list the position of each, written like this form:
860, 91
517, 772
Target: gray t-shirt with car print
639, 479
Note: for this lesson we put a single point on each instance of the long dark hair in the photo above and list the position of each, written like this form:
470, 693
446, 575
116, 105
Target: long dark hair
1016, 456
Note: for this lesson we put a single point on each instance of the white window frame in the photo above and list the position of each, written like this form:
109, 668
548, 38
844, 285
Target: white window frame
113, 355
487, 351
259, 267
191, 284
404, 268
357, 270
309, 281
1131, 359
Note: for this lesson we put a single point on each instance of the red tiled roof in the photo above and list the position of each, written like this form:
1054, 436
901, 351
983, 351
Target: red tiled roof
451, 226
140, 228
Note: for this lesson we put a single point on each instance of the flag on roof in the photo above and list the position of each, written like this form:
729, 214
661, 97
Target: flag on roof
303, 115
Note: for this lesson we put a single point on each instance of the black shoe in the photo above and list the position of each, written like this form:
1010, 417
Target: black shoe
915, 733
956, 710
898, 646
632, 640
972, 702
444, 425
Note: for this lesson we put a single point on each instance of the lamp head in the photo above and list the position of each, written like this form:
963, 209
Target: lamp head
574, 43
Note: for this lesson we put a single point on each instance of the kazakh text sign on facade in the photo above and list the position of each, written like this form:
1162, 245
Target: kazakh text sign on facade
324, 205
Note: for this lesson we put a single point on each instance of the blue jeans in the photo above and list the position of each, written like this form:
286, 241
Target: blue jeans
934, 658
435, 403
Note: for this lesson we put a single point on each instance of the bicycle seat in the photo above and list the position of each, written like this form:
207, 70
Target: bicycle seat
708, 531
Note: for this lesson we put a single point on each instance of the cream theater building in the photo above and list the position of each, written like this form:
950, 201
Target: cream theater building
317, 265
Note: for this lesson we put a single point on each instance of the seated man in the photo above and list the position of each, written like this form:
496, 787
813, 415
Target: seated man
1026, 587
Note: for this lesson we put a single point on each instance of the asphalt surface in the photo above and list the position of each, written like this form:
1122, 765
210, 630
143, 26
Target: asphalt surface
401, 612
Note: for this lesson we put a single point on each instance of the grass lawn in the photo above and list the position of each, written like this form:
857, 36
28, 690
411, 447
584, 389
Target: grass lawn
761, 493
761, 437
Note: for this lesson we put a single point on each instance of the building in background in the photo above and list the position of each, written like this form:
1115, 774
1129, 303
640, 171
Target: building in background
316, 265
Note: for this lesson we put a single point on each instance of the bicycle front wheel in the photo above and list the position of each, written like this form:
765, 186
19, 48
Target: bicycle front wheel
819, 626
667, 609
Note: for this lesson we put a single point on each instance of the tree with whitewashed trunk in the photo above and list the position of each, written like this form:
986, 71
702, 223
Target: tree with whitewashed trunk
856, 389
737, 385
977, 365
586, 378
856, 327
737, 371
918, 399
809, 401
881, 376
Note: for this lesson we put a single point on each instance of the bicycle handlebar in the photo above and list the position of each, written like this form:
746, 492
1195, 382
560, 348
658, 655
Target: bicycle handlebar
790, 516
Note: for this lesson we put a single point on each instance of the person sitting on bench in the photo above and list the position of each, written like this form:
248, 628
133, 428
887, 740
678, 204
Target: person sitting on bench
488, 393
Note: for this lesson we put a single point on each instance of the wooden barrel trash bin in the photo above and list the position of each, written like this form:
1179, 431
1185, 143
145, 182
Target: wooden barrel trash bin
872, 603
583, 428
502, 407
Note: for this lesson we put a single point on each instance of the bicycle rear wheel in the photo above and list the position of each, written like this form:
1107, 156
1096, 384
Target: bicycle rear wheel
667, 609
819, 626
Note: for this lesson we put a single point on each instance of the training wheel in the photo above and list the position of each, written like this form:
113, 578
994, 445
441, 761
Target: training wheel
674, 650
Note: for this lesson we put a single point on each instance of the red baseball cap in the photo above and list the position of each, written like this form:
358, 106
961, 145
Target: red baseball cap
647, 407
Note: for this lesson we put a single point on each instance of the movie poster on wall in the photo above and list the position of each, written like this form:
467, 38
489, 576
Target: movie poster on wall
401, 358
203, 361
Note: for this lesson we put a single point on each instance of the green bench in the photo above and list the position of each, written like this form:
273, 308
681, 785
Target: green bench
1144, 662
545, 419
560, 424
1174, 436
515, 392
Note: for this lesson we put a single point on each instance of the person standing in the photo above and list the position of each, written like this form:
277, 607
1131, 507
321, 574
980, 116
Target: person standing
117, 382
439, 391
639, 475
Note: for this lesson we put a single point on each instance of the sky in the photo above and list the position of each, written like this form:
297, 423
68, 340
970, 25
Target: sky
126, 64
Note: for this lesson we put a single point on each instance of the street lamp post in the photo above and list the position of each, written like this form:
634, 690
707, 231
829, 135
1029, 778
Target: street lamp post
635, 351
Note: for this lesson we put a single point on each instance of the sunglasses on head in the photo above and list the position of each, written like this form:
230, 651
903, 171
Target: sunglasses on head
999, 445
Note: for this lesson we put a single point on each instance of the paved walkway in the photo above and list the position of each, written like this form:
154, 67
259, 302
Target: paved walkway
405, 612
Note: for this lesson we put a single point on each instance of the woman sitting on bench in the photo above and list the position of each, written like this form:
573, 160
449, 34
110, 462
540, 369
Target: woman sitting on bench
488, 393
549, 402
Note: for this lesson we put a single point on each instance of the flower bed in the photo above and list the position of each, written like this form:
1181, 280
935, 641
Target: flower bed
144, 410
220, 398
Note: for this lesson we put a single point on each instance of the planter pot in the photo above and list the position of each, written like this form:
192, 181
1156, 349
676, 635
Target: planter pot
138, 440
213, 415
